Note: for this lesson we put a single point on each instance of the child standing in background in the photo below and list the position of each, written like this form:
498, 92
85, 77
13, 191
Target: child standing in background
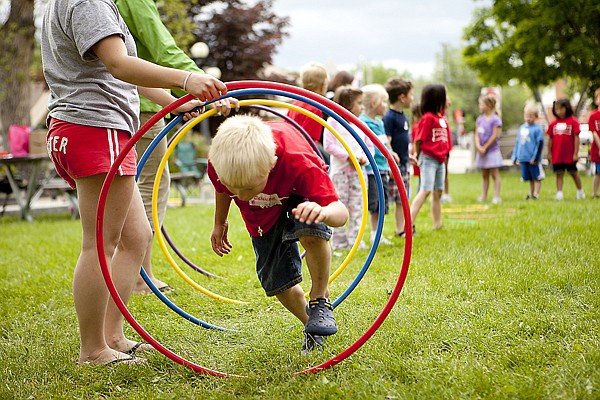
528, 151
415, 116
563, 146
343, 174
375, 105
432, 147
395, 121
314, 77
489, 157
594, 124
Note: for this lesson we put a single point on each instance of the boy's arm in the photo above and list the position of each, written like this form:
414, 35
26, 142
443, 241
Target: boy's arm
576, 149
334, 214
218, 238
596, 139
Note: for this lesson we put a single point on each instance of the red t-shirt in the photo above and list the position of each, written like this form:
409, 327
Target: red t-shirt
434, 134
299, 170
416, 169
562, 132
594, 123
312, 127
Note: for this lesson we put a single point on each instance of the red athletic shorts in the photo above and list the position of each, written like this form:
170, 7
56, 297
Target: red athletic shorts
78, 151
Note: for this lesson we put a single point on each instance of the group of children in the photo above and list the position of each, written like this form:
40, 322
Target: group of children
284, 190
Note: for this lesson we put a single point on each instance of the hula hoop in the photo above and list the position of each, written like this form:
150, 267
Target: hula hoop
140, 167
237, 85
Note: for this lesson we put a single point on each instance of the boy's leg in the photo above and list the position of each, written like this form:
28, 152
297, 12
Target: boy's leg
89, 289
559, 180
577, 179
294, 301
595, 184
436, 209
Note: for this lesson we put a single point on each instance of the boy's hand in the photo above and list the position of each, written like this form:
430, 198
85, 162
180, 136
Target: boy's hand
188, 109
309, 212
224, 106
205, 87
219, 240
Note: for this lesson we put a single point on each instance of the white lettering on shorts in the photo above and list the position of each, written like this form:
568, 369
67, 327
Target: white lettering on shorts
57, 144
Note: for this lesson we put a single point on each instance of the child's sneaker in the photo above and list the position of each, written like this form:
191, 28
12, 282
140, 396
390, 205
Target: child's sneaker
496, 200
580, 195
321, 321
559, 196
311, 342
446, 198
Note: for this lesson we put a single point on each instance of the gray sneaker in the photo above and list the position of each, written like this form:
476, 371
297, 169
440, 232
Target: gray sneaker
312, 342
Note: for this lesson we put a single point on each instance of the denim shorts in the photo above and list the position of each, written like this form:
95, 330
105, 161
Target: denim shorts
432, 173
373, 193
532, 172
278, 261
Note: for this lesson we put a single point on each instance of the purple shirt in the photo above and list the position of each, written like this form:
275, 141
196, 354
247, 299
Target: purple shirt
485, 129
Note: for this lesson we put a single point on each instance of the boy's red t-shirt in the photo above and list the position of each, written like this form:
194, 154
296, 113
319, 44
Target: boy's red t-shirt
562, 132
299, 170
594, 123
434, 134
312, 127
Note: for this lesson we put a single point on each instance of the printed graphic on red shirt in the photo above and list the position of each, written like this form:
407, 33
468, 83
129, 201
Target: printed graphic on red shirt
266, 200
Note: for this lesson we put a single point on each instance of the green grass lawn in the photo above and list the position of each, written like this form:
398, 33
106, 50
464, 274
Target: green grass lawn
502, 303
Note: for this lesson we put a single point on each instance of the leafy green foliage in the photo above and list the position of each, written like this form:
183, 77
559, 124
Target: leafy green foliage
536, 41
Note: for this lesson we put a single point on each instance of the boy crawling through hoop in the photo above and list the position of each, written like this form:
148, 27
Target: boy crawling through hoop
285, 195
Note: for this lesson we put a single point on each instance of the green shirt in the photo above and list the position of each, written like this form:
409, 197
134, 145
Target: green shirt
153, 40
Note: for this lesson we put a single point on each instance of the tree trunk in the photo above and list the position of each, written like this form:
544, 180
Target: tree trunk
16, 52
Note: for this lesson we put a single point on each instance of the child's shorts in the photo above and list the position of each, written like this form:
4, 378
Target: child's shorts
433, 173
564, 167
78, 151
373, 193
278, 261
394, 195
597, 169
532, 172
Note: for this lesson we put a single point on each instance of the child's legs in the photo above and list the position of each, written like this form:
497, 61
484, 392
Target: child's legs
560, 176
355, 206
485, 182
341, 235
495, 173
417, 203
436, 208
89, 289
576, 178
318, 260
537, 186
596, 181
136, 237
532, 187
294, 301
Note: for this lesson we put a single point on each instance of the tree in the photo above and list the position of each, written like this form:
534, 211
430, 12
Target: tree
536, 42
242, 37
16, 53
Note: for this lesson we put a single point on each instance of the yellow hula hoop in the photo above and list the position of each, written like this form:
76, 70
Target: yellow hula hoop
210, 113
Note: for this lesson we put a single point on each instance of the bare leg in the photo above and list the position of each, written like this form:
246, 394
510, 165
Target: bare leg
293, 299
436, 209
495, 172
417, 203
537, 187
577, 179
399, 217
595, 185
318, 260
485, 183
559, 181
89, 289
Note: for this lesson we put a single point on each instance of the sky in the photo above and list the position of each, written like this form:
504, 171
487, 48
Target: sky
401, 34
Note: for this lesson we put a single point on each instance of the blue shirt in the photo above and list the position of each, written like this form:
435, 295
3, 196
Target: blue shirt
529, 144
376, 125
397, 127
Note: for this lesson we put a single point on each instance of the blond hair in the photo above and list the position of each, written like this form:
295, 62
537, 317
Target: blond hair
373, 95
314, 77
242, 150
532, 108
